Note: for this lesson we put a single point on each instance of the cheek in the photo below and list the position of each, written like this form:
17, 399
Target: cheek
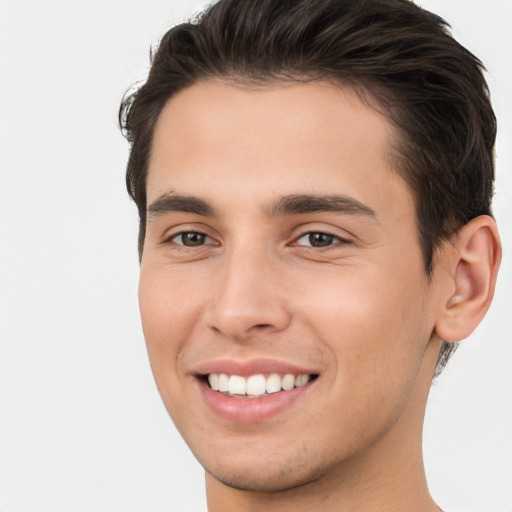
167, 317
373, 321
166, 305
167, 320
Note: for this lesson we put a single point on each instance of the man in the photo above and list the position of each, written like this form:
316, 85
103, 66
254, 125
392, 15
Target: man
313, 181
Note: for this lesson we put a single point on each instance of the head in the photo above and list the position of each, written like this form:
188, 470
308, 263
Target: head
425, 104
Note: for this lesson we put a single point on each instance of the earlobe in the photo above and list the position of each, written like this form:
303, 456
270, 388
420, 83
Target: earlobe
473, 274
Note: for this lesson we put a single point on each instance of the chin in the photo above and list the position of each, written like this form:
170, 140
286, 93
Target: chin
258, 481
270, 475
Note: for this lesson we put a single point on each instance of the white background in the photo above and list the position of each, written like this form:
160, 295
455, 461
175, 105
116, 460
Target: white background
82, 428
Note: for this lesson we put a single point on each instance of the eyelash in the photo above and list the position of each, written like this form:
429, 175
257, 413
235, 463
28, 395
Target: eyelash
334, 240
173, 237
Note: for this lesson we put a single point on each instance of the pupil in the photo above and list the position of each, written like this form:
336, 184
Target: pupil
192, 239
320, 239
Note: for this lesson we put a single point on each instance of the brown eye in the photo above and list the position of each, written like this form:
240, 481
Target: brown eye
191, 239
320, 239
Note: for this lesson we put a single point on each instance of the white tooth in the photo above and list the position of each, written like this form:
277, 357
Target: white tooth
237, 385
223, 382
273, 384
256, 385
288, 382
298, 381
213, 379
304, 379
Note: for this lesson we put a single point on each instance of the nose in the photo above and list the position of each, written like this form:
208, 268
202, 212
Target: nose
249, 296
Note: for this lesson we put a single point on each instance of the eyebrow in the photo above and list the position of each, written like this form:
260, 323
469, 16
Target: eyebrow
169, 203
305, 203
295, 204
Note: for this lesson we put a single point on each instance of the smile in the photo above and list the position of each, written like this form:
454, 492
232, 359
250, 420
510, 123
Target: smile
255, 386
254, 391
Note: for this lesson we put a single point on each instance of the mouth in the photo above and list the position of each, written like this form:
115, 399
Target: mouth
255, 386
253, 391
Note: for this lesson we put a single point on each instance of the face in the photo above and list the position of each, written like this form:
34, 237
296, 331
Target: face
283, 298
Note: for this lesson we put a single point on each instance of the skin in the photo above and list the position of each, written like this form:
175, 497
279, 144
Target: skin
359, 311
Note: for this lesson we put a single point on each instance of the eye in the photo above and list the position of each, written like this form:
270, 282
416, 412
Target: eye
190, 239
318, 239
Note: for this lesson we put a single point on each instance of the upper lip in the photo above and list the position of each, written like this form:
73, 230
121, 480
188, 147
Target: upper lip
255, 366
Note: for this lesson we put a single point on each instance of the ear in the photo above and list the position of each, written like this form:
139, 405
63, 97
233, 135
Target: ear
472, 269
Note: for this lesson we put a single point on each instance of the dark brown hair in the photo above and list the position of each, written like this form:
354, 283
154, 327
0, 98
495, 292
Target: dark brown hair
430, 87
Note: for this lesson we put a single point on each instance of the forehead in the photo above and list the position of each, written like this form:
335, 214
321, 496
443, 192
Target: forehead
217, 139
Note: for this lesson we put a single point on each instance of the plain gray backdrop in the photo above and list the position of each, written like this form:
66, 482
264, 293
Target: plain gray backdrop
82, 428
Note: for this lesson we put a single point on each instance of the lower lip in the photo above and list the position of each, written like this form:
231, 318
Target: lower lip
251, 410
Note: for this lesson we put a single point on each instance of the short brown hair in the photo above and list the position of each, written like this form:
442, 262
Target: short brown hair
430, 87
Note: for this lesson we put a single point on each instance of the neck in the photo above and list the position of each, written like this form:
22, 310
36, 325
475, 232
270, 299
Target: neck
388, 476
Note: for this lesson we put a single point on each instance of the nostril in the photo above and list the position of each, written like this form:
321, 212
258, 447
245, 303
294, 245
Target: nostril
238, 317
